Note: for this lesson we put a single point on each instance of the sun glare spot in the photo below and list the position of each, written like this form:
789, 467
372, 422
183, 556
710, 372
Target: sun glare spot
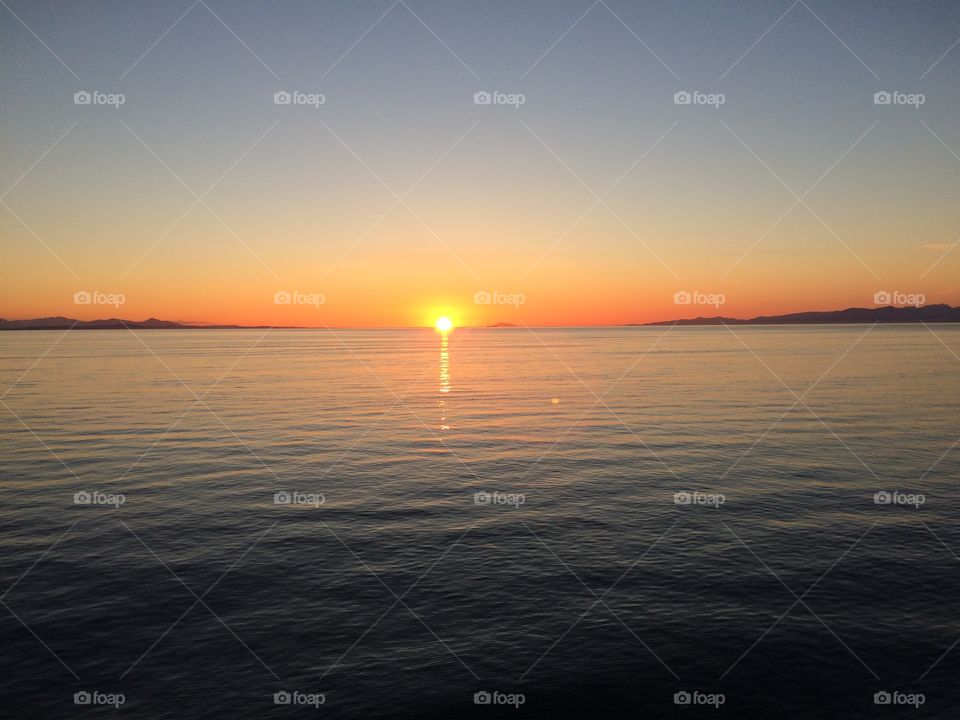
443, 324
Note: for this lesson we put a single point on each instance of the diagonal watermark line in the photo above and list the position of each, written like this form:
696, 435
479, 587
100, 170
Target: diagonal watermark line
796, 402
439, 39
757, 41
840, 40
157, 41
40, 440
598, 601
599, 199
799, 599
37, 361
397, 401
400, 401
819, 20
557, 41
940, 340
942, 255
597, 402
42, 556
17, 182
199, 199
376, 422
957, 158
399, 199
800, 401
640, 40
397, 602
39, 239
203, 402
49, 50
939, 540
937, 61
239, 39
177, 22
40, 158
40, 640
799, 199
955, 642
357, 41
615, 17
199, 600
399, 598
940, 140
937, 461
601, 401
195, 403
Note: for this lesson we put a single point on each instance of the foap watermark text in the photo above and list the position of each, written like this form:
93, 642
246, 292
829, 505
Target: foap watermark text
684, 297
295, 97
298, 498
483, 297
496, 497
914, 500
295, 297
95, 497
514, 100
696, 497
95, 297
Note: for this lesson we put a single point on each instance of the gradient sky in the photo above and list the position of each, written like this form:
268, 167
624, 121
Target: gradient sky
500, 198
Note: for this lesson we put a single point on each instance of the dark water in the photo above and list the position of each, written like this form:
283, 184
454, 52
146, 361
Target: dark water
400, 596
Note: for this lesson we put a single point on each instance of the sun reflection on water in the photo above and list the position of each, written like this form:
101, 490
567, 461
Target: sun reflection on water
444, 378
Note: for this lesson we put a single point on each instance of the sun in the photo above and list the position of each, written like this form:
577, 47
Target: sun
443, 324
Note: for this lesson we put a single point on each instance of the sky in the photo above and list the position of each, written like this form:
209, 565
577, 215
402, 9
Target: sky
586, 193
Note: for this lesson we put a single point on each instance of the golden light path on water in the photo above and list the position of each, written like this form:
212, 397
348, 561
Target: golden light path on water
444, 378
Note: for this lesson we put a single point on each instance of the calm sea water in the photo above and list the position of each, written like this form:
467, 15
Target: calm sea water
502, 511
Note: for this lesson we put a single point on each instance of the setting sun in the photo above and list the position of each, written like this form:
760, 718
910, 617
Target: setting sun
443, 324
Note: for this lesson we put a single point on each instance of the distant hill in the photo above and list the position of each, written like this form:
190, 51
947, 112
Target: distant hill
851, 316
64, 323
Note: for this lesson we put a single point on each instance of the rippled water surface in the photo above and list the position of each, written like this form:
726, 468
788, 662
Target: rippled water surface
495, 510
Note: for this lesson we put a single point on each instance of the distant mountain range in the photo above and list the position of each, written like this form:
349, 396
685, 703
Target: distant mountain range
64, 323
851, 316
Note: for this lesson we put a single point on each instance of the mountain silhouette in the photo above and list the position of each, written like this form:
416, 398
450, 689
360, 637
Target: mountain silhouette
851, 316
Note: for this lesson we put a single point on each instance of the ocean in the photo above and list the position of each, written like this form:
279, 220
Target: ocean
753, 522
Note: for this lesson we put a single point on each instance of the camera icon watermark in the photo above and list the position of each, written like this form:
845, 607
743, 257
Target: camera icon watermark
914, 500
514, 100
295, 297
888, 97
684, 97
684, 297
896, 697
483, 297
898, 299
95, 697
299, 498
295, 97
495, 697
95, 497
295, 697
95, 297
696, 697
695, 497
114, 100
